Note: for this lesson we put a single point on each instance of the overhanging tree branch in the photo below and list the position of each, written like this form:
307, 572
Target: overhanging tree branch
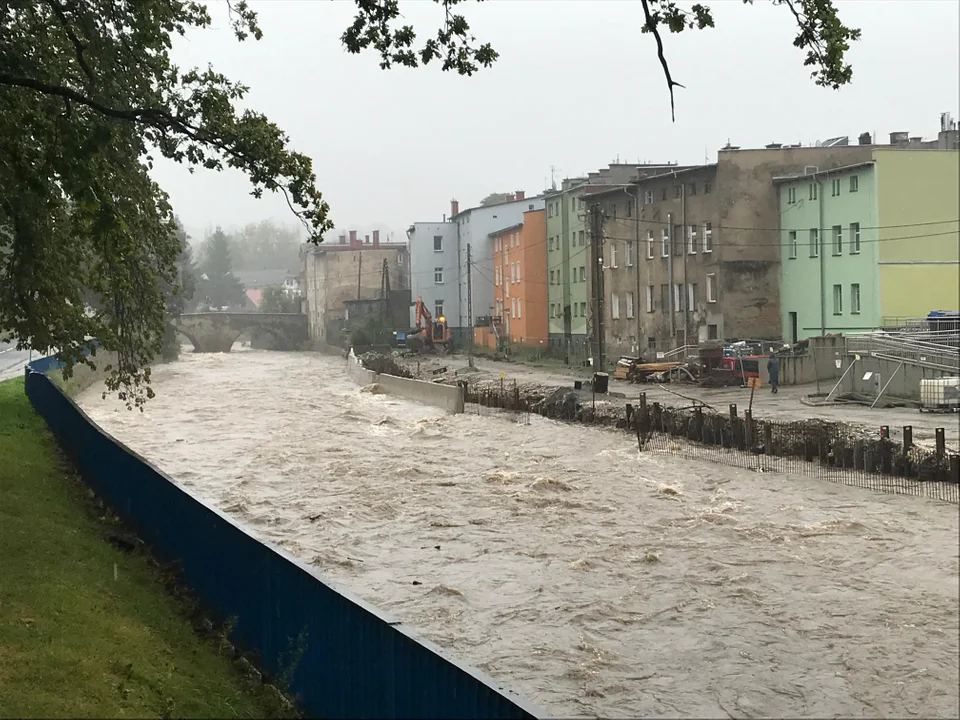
651, 26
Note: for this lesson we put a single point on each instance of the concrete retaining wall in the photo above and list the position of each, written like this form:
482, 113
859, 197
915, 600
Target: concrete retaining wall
446, 397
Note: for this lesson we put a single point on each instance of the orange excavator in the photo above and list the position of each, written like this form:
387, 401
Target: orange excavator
429, 335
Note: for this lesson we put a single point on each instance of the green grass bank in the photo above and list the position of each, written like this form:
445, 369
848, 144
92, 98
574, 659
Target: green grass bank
86, 629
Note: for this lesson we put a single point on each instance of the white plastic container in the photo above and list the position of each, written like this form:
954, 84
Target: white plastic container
940, 393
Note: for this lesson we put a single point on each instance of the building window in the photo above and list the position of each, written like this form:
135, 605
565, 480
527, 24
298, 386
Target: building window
583, 273
678, 297
652, 342
549, 209
581, 238
835, 187
692, 296
648, 197
712, 333
854, 238
438, 275
438, 309
711, 287
518, 271
650, 298
708, 237
664, 243
613, 255
814, 242
792, 195
629, 254
837, 240
707, 187
692, 189
854, 184
649, 244
615, 306
692, 240
551, 276
855, 298
583, 309
813, 191
792, 237
678, 191
665, 297
438, 243
550, 244
630, 307
838, 299
663, 194
519, 304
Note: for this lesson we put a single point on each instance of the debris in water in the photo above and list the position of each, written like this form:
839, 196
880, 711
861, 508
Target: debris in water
373, 389
651, 557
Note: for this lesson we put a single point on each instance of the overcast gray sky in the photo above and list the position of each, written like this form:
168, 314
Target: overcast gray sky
576, 85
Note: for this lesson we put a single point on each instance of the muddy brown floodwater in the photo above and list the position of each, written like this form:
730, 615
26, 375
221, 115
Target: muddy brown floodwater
591, 579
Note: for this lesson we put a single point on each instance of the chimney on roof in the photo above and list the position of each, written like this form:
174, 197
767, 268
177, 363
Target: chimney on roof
511, 197
865, 139
521, 194
376, 238
354, 242
454, 207
897, 138
366, 239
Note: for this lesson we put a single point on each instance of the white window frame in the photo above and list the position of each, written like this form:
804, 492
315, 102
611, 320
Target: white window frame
678, 297
791, 195
855, 238
629, 251
518, 271
692, 240
437, 308
854, 183
708, 237
651, 290
519, 307
854, 298
614, 306
648, 197
792, 240
438, 276
711, 287
435, 239
837, 239
665, 242
631, 305
613, 255
649, 244
814, 242
838, 299
691, 300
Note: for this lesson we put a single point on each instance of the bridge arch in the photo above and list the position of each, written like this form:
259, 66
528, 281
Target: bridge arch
216, 332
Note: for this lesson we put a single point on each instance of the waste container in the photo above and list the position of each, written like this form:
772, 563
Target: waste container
600, 382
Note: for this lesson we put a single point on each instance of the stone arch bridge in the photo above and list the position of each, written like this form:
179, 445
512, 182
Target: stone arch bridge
217, 331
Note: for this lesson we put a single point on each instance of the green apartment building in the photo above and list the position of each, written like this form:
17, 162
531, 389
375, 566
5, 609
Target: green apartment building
566, 243
869, 244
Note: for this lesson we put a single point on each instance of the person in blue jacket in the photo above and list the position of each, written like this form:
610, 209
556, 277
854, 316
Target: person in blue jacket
773, 369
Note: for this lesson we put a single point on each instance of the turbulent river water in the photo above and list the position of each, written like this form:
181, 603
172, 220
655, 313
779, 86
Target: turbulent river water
591, 579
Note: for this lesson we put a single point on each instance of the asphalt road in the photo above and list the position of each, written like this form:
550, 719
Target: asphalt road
12, 360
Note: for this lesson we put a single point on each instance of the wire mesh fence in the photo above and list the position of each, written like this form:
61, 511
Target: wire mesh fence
832, 451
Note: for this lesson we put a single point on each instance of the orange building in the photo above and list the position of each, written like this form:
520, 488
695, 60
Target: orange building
520, 280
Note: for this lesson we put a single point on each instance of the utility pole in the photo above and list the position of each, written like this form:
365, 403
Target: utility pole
596, 258
385, 291
359, 269
685, 297
469, 307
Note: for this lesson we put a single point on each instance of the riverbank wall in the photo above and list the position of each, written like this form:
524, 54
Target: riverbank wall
446, 397
340, 656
